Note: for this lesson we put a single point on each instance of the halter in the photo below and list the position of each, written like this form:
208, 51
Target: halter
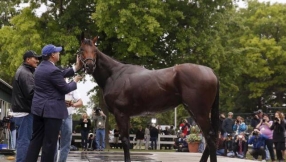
79, 53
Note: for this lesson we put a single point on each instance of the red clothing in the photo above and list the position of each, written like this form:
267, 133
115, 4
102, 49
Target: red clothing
184, 128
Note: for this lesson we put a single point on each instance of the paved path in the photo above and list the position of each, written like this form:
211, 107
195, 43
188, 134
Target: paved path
112, 156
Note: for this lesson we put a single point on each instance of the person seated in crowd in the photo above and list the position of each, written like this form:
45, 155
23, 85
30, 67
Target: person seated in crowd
258, 141
220, 145
182, 143
228, 146
90, 141
240, 145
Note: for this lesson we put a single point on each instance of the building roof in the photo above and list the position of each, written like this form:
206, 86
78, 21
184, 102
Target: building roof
5, 83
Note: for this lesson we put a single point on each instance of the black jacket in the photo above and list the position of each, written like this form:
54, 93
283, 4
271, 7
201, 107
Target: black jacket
227, 125
23, 89
140, 134
154, 132
278, 131
83, 126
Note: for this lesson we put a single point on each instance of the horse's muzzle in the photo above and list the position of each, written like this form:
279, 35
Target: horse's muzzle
90, 68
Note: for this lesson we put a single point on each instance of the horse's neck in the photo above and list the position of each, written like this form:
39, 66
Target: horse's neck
104, 69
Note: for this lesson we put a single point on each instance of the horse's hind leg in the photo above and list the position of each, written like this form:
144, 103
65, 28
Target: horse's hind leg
123, 125
203, 120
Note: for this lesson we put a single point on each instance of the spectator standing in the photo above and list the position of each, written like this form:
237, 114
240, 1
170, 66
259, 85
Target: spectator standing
264, 127
116, 136
239, 125
154, 137
131, 131
22, 95
147, 137
12, 130
172, 130
99, 119
73, 101
256, 118
48, 105
139, 137
278, 128
227, 125
221, 119
85, 124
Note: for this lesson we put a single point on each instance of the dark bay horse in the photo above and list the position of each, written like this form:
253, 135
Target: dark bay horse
131, 90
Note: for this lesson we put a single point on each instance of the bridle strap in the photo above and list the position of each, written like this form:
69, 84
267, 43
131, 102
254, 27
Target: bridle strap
79, 53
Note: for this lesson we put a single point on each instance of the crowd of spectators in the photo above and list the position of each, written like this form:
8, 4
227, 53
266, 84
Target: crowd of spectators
236, 137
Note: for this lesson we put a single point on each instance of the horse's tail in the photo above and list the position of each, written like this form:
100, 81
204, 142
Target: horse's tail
215, 112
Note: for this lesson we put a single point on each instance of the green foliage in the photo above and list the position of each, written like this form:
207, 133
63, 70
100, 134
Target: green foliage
245, 47
194, 135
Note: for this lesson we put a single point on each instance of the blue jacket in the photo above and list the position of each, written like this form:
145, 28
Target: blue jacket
50, 90
241, 128
257, 142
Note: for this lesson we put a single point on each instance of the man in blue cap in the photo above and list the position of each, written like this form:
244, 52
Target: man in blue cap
22, 95
48, 105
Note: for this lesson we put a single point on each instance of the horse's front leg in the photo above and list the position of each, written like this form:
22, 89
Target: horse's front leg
123, 125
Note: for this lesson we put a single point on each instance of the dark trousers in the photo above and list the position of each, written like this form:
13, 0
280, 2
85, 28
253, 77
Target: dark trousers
269, 144
84, 138
256, 152
153, 140
45, 135
279, 147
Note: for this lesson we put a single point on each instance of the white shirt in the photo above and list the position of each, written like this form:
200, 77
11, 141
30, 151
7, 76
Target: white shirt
74, 97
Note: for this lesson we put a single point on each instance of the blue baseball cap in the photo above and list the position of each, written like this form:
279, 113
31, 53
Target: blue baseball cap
48, 49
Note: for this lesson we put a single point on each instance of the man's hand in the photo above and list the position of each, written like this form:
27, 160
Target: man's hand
78, 64
77, 78
68, 103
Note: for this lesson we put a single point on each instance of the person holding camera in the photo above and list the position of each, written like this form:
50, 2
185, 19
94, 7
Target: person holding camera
264, 127
99, 119
258, 141
239, 125
240, 145
278, 128
181, 143
257, 116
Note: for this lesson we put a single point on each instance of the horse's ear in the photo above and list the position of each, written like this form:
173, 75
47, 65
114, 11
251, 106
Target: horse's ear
95, 40
82, 36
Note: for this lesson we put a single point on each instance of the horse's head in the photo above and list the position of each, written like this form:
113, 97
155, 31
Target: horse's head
87, 54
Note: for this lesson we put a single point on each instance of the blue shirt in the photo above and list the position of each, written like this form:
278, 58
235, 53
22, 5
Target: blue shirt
257, 141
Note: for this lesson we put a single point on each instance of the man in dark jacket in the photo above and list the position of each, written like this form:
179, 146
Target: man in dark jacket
228, 124
48, 104
22, 95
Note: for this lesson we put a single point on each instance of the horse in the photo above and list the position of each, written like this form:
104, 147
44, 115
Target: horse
132, 90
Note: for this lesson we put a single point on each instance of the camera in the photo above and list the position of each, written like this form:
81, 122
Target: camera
255, 133
276, 119
263, 120
97, 110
